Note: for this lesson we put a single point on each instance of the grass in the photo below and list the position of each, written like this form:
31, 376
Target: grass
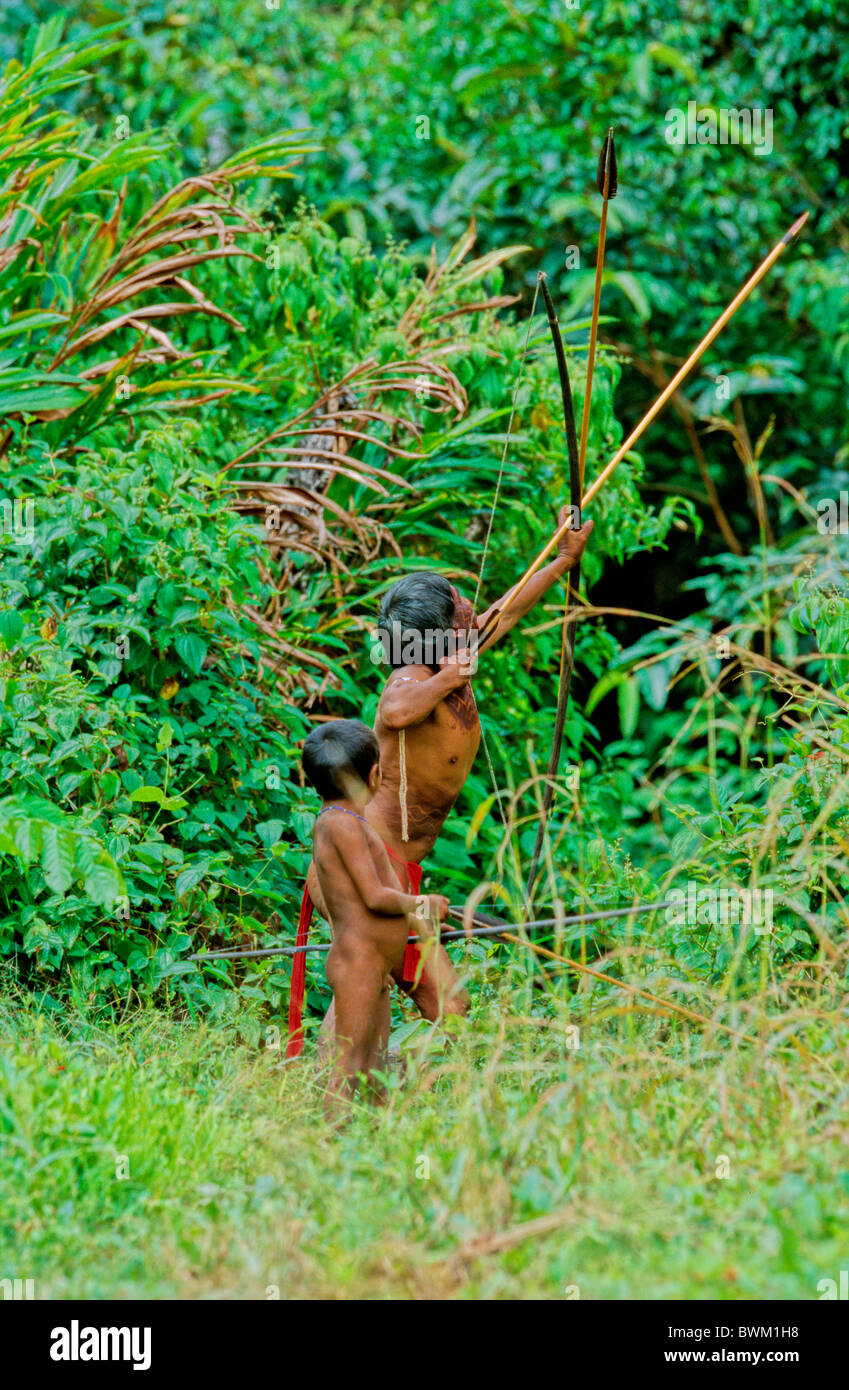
508, 1164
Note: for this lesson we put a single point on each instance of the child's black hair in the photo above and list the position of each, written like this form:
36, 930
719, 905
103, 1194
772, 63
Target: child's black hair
342, 745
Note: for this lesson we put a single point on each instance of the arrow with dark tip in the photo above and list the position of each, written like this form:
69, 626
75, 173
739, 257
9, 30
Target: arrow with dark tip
492, 927
489, 633
482, 925
607, 182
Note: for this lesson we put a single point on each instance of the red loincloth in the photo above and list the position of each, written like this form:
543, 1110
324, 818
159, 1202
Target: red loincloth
409, 965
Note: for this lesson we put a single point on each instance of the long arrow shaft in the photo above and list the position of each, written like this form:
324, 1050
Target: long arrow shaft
491, 927
489, 633
607, 187
588, 389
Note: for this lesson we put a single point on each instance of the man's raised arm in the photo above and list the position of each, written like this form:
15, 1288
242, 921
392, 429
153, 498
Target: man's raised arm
569, 551
411, 697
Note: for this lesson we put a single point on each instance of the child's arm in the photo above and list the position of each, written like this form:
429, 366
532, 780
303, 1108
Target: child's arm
352, 844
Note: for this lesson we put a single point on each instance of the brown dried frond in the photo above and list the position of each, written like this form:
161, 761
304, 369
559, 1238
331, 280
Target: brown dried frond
449, 271
323, 442
190, 234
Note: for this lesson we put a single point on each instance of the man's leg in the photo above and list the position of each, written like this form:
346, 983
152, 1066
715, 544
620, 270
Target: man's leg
326, 1033
438, 991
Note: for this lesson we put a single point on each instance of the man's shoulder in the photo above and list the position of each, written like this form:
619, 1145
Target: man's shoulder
403, 675
408, 673
396, 681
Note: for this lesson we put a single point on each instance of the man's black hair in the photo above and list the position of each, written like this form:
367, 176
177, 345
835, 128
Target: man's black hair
419, 603
342, 745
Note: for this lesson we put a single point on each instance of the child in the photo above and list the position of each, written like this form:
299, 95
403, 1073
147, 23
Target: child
370, 916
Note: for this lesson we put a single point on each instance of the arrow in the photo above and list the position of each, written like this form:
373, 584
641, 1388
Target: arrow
607, 182
486, 926
488, 633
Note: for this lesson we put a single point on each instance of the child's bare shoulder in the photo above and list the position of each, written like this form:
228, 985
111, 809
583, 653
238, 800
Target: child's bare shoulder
343, 830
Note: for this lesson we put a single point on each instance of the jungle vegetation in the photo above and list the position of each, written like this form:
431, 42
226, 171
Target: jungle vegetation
265, 315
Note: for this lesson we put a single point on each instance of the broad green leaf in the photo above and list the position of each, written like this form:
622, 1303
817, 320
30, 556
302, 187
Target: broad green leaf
166, 735
628, 695
269, 832
11, 628
110, 784
102, 879
57, 857
26, 834
158, 797
191, 650
146, 793
189, 878
40, 398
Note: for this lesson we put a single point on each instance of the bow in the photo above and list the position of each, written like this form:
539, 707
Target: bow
488, 633
607, 183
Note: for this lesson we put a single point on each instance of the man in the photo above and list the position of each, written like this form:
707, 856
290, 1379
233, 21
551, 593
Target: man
428, 732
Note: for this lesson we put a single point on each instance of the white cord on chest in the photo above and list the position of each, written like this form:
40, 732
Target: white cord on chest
402, 785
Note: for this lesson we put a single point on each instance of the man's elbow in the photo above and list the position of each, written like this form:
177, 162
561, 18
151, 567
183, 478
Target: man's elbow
395, 716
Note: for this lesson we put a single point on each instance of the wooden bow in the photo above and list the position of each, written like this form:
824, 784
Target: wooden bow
608, 184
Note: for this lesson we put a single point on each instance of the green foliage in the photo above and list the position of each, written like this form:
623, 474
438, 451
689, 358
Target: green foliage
755, 779
92, 255
160, 664
136, 695
189, 575
144, 1159
430, 111
129, 699
35, 832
